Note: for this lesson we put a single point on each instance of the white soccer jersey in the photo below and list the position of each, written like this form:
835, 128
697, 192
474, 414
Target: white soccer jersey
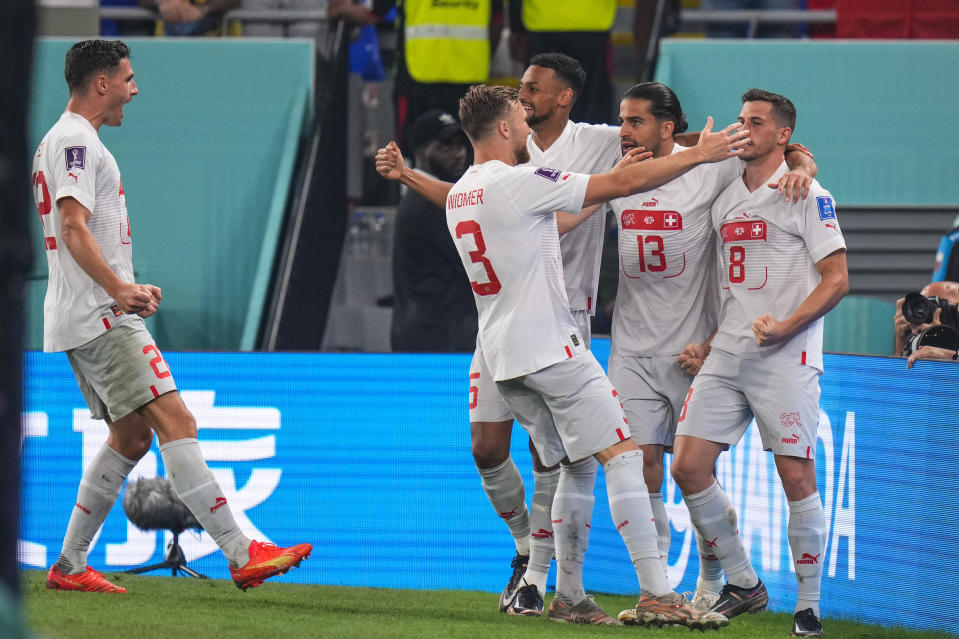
769, 250
72, 162
668, 291
582, 148
503, 224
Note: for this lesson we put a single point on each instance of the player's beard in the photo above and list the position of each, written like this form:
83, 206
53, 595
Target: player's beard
521, 154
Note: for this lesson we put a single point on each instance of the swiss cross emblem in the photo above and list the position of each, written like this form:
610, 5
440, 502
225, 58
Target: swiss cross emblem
757, 230
739, 230
670, 220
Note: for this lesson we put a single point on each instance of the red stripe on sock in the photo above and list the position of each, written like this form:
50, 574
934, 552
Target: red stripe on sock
569, 353
804, 357
619, 431
106, 323
154, 390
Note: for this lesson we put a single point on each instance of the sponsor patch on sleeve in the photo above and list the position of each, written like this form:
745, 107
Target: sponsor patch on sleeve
550, 174
76, 157
826, 209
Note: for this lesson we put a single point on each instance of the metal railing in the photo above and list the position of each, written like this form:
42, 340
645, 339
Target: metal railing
753, 18
130, 14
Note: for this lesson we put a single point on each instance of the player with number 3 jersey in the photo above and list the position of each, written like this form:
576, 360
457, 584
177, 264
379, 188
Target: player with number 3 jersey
502, 220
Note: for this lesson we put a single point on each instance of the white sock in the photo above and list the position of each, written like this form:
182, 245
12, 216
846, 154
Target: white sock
504, 489
572, 513
662, 523
196, 487
712, 512
710, 570
807, 539
99, 488
541, 545
633, 516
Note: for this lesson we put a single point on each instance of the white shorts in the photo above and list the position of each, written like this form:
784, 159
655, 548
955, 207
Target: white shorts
485, 402
652, 390
569, 409
121, 370
730, 390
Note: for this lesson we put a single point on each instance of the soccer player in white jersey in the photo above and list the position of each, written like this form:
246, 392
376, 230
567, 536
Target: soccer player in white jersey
548, 90
502, 220
94, 312
782, 269
667, 302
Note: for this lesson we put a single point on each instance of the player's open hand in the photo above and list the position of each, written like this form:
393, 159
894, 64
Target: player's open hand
389, 162
728, 143
634, 155
768, 330
692, 358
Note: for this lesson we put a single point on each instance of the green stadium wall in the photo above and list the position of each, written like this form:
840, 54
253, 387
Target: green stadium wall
879, 116
206, 152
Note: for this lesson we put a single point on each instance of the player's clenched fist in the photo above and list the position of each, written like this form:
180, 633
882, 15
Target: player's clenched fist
768, 330
389, 162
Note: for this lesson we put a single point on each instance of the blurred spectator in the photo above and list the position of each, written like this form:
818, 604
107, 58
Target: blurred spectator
442, 49
764, 30
348, 10
904, 330
947, 256
578, 29
433, 305
190, 17
117, 28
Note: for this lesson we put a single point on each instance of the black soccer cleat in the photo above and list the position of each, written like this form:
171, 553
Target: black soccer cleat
528, 602
518, 564
734, 600
806, 624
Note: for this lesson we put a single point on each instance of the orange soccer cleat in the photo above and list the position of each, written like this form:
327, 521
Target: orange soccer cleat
88, 581
268, 560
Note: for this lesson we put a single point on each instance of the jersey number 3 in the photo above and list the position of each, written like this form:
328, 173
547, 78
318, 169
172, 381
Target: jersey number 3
492, 286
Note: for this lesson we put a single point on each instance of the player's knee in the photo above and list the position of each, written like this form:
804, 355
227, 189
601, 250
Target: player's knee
489, 456
684, 473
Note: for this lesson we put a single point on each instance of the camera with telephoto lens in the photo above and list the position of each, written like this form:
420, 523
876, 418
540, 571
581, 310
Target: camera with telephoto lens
919, 309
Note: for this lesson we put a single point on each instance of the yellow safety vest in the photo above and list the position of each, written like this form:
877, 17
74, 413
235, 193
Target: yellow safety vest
447, 40
569, 15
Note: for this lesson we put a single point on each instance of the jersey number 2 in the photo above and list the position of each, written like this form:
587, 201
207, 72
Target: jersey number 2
44, 207
492, 286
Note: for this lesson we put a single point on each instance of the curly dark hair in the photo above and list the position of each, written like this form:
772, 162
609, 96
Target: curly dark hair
88, 58
568, 70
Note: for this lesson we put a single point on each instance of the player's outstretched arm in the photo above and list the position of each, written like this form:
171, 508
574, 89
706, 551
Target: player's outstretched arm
795, 184
390, 164
833, 286
141, 299
643, 176
566, 222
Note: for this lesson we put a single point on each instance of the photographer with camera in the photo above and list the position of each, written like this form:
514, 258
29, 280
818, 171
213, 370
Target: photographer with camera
927, 323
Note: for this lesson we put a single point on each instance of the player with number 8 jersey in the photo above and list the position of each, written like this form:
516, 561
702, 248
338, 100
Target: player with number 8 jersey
502, 220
